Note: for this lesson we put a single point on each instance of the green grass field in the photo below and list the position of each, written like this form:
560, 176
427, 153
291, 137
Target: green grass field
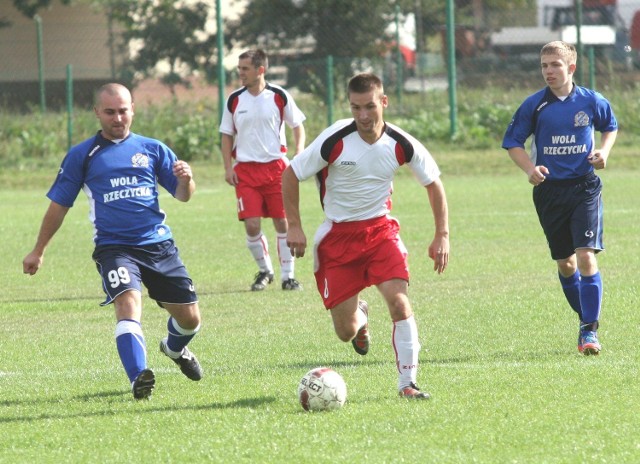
499, 341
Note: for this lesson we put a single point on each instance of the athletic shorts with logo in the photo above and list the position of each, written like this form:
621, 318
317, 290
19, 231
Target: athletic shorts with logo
259, 189
571, 213
351, 256
157, 266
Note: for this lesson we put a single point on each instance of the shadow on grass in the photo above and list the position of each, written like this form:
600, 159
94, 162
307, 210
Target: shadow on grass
248, 403
501, 357
333, 364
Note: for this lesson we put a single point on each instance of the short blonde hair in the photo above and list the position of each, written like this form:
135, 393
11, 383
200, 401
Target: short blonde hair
563, 49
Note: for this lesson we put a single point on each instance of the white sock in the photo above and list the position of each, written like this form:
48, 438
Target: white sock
259, 248
407, 348
361, 318
286, 259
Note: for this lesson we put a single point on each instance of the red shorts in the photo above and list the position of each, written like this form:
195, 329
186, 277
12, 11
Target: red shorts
351, 256
259, 189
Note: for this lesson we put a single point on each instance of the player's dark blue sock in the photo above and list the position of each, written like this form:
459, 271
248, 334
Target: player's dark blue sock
571, 289
131, 347
590, 297
178, 337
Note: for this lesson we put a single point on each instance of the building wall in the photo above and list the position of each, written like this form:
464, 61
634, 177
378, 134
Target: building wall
75, 35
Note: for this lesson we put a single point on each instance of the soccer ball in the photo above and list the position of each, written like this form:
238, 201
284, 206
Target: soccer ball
322, 389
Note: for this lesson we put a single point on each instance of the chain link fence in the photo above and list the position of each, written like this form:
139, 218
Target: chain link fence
496, 43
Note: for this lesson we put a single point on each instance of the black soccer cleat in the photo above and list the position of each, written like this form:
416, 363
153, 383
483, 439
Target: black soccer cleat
143, 385
262, 279
291, 284
187, 361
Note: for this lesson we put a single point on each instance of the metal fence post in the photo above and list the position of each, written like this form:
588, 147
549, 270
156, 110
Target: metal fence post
592, 68
399, 73
69, 106
579, 47
451, 64
330, 90
221, 76
43, 104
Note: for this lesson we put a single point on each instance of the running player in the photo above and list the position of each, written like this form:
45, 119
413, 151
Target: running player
118, 171
358, 245
567, 194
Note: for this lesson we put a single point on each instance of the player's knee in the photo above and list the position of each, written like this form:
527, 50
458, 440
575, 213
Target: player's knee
346, 334
186, 316
400, 309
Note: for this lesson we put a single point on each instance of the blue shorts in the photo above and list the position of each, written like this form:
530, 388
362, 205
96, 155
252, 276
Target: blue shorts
158, 267
570, 214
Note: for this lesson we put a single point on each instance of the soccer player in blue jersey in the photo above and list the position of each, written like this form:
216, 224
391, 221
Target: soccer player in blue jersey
119, 171
567, 194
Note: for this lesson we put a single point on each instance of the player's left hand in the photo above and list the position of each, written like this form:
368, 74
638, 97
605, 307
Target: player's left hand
182, 171
598, 159
439, 253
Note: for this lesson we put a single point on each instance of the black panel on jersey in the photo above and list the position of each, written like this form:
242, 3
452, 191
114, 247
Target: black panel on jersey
407, 146
280, 92
333, 139
232, 98
98, 144
548, 98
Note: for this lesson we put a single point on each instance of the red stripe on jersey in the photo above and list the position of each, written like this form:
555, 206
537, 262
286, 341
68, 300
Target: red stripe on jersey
336, 151
234, 104
322, 186
400, 154
280, 103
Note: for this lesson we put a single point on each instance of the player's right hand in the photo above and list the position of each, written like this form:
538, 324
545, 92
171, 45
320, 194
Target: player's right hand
230, 176
538, 175
296, 241
31, 263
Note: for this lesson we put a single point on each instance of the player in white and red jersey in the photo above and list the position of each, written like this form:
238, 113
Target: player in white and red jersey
358, 245
254, 150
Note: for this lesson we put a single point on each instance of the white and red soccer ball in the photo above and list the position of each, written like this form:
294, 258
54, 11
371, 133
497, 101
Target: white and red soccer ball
322, 389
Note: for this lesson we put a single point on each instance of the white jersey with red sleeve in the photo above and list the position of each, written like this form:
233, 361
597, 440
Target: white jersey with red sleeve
257, 122
355, 178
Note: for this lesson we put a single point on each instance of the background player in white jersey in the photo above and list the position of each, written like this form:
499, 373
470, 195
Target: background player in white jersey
358, 245
254, 151
119, 172
563, 118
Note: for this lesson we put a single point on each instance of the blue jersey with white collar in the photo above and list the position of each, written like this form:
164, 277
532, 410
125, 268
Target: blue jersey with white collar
120, 181
563, 130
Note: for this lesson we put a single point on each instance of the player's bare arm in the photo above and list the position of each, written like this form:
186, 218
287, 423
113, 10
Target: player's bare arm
296, 240
439, 247
299, 136
51, 222
226, 147
535, 174
598, 158
186, 184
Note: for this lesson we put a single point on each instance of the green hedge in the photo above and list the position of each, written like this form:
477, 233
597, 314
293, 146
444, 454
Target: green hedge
34, 140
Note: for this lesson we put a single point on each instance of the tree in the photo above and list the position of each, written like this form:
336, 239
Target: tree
30, 8
311, 30
165, 32
337, 27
